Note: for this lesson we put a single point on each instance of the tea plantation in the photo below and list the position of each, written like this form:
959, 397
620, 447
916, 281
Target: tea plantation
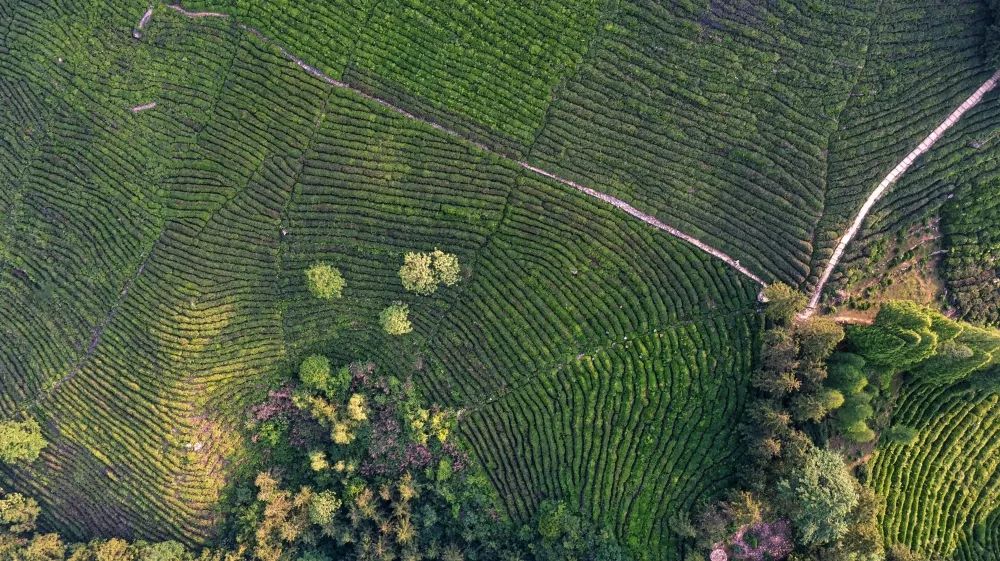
169, 173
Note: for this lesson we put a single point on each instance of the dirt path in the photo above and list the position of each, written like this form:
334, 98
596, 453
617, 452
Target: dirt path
896, 172
145, 19
182, 11
618, 203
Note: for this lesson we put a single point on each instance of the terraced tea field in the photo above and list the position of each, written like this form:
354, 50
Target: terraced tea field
617, 179
942, 491
203, 301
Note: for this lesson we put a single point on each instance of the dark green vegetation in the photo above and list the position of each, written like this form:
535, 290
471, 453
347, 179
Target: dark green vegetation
161, 296
489, 66
158, 256
956, 180
758, 128
930, 486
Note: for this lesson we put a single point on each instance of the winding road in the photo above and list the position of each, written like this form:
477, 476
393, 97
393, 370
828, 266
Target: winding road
838, 252
884, 185
604, 197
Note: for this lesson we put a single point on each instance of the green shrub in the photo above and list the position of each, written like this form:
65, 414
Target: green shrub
901, 434
325, 281
858, 431
395, 319
20, 441
315, 372
845, 374
164, 551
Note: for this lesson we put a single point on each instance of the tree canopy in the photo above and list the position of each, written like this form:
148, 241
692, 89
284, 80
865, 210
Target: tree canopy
20, 441
325, 281
819, 495
395, 319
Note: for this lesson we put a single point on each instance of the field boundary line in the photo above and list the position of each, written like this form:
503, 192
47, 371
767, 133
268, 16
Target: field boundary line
604, 197
901, 168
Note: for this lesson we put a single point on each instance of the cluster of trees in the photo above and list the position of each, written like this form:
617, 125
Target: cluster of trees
421, 273
358, 467
816, 378
799, 499
346, 464
790, 382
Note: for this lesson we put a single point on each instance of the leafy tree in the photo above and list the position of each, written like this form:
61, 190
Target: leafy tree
416, 273
325, 281
783, 302
315, 372
20, 441
856, 408
423, 272
446, 267
114, 549
395, 319
858, 431
777, 384
43, 547
339, 383
163, 551
818, 337
815, 406
863, 540
845, 373
18, 513
780, 351
819, 495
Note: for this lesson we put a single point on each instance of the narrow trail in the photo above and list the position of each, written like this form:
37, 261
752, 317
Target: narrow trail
145, 19
896, 172
604, 197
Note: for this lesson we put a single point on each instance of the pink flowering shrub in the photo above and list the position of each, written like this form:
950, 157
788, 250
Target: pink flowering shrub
762, 541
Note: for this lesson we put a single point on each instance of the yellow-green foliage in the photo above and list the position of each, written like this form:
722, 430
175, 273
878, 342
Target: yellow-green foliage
423, 272
395, 319
416, 273
446, 267
20, 441
325, 281
315, 371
